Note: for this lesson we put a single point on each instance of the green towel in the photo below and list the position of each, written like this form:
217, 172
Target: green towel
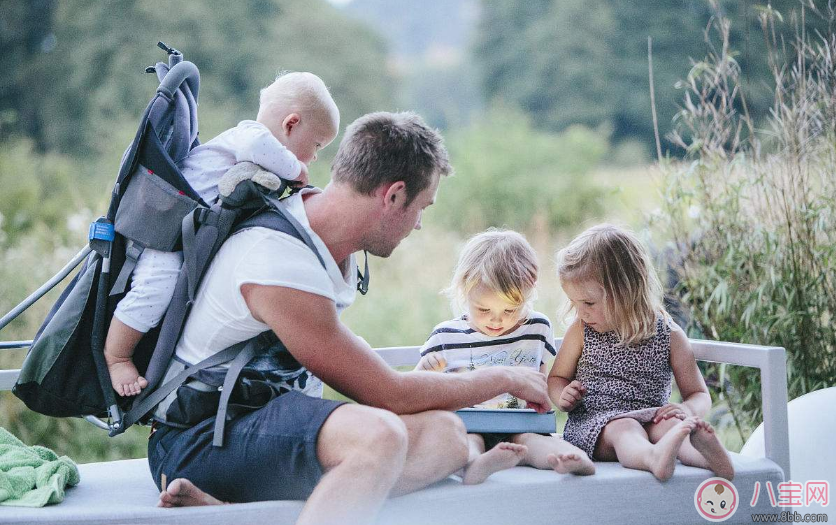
32, 476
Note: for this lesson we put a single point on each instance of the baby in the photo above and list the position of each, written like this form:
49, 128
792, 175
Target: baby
296, 118
495, 284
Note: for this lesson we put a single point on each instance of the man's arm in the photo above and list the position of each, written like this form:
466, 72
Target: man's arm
309, 327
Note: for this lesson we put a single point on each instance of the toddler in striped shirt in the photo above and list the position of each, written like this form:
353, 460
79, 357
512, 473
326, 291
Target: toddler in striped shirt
495, 285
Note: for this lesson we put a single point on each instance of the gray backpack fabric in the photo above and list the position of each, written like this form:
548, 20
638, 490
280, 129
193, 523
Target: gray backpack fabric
64, 373
260, 368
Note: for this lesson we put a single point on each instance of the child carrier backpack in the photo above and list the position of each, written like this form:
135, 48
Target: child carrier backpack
64, 373
152, 206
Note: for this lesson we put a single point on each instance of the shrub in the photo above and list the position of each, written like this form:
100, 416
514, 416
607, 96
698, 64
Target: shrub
508, 174
753, 212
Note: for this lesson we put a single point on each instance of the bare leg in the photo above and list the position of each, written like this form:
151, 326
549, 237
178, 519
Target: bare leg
552, 452
705, 441
362, 451
482, 464
359, 477
702, 449
626, 440
475, 447
119, 348
438, 447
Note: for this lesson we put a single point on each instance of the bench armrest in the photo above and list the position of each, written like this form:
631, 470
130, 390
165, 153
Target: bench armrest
772, 363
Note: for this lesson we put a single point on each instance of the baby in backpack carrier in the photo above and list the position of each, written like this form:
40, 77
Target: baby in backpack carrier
296, 118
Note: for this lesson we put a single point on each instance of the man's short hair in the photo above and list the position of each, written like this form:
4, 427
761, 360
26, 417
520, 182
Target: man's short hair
382, 148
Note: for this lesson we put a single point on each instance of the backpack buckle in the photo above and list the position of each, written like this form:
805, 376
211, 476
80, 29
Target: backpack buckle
101, 235
101, 230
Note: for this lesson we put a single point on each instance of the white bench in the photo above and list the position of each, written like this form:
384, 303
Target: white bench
123, 492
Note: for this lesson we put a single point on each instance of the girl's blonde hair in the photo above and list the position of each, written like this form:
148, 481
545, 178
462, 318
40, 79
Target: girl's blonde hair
503, 261
615, 258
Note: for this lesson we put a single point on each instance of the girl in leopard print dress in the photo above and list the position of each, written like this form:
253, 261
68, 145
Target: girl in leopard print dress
613, 371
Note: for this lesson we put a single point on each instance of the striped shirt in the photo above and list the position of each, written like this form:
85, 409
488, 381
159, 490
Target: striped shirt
464, 349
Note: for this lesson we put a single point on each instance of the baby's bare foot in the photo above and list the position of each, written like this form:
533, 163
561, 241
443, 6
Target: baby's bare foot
572, 463
125, 378
183, 493
663, 458
501, 457
705, 440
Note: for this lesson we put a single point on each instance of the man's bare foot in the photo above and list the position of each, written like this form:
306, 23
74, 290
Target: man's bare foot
183, 493
125, 377
572, 463
501, 457
663, 457
704, 439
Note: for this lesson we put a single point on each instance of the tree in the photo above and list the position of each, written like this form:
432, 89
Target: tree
92, 81
26, 39
568, 62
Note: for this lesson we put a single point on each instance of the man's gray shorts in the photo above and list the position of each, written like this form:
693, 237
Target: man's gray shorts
268, 454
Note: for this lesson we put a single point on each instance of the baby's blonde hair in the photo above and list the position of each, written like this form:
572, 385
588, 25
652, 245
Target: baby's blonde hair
298, 92
615, 258
503, 261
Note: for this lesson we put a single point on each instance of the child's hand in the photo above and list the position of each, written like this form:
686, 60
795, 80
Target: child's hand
677, 410
302, 180
432, 363
571, 395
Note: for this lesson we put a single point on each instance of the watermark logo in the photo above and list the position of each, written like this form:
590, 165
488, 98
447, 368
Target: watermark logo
716, 499
794, 494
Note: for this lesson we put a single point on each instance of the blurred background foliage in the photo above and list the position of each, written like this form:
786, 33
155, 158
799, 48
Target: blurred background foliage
546, 111
751, 214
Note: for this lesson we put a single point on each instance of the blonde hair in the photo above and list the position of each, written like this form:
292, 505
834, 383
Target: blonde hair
615, 258
503, 261
298, 92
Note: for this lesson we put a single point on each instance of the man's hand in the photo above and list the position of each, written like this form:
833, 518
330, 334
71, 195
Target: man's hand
530, 385
571, 396
432, 362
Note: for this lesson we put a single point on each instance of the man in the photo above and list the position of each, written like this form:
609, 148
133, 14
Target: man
344, 458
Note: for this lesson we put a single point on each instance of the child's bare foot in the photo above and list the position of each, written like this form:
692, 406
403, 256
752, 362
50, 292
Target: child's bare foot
501, 457
663, 458
125, 377
572, 463
183, 493
705, 441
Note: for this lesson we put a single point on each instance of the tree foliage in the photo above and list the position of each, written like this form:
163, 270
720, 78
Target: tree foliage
508, 174
753, 213
567, 62
69, 94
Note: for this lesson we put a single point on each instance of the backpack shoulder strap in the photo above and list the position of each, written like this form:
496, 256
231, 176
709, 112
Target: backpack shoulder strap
271, 215
274, 217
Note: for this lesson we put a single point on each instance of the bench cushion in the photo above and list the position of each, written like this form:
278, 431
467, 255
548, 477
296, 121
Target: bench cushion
122, 492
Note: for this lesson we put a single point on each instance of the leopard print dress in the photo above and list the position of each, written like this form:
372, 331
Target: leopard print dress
621, 381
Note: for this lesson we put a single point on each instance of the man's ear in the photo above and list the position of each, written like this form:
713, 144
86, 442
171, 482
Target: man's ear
290, 122
394, 196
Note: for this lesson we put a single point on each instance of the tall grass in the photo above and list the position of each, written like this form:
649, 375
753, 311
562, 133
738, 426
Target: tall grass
752, 213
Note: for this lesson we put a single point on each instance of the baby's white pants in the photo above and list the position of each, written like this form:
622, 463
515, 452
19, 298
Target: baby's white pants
152, 286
